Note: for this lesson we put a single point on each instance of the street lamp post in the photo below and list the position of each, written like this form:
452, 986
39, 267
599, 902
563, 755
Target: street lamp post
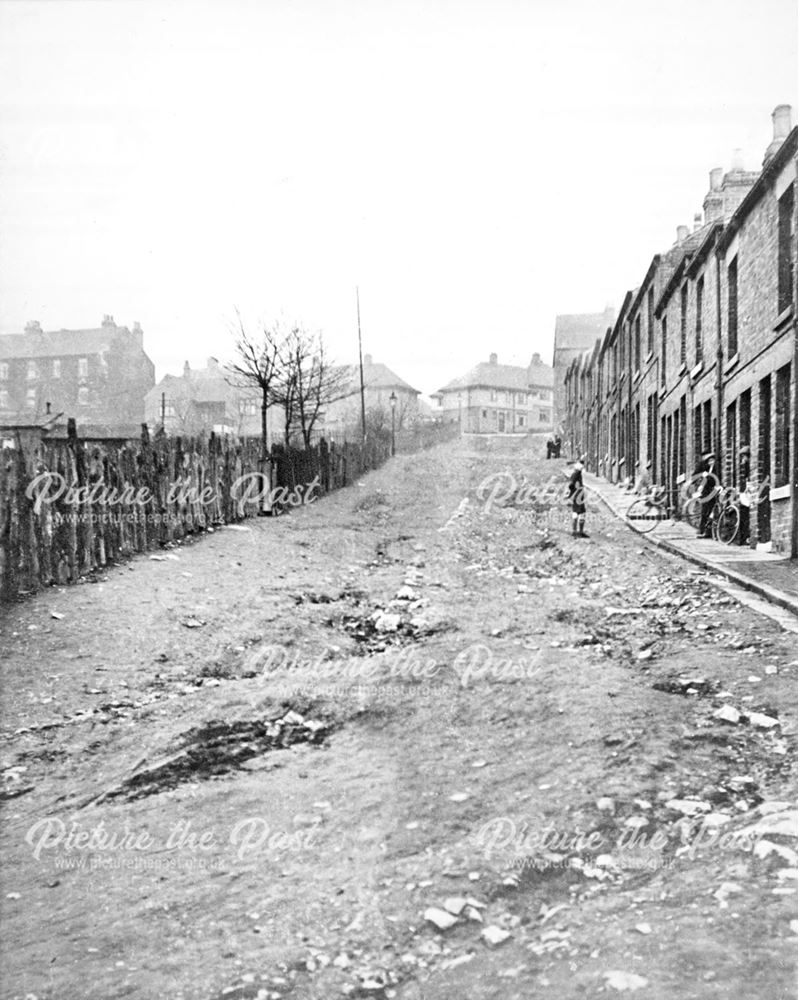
392, 399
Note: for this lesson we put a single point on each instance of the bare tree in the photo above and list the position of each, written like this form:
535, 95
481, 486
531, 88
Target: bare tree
319, 383
257, 365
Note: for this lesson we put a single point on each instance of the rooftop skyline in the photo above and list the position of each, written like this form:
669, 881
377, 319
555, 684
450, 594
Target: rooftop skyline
475, 169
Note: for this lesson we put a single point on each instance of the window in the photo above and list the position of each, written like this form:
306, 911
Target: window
683, 326
664, 365
650, 318
83, 367
652, 418
520, 397
682, 460
493, 395
33, 371
786, 248
781, 470
56, 368
706, 427
732, 284
485, 414
168, 409
745, 419
4, 399
543, 417
3, 370
699, 308
637, 344
30, 398
521, 421
83, 395
698, 440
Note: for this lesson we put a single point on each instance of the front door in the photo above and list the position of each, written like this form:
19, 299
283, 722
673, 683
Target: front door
501, 421
763, 458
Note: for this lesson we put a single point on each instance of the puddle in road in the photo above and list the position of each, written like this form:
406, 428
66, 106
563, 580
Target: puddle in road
219, 747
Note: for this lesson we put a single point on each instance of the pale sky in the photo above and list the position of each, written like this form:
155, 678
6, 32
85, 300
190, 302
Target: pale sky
475, 166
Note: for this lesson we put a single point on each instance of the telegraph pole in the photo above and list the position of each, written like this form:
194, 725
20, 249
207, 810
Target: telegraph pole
360, 353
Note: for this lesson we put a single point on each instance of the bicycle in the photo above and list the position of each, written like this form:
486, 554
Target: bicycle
726, 516
646, 512
694, 500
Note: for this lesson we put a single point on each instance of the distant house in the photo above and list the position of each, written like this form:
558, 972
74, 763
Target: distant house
379, 383
98, 376
499, 399
574, 334
202, 400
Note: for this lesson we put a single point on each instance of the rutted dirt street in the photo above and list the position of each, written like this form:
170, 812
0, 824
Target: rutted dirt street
401, 743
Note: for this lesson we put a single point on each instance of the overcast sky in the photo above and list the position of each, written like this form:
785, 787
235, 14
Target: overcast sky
475, 166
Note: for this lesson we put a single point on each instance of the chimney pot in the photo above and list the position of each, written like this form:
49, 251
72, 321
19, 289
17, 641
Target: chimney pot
682, 232
782, 121
33, 326
108, 320
367, 359
186, 369
494, 359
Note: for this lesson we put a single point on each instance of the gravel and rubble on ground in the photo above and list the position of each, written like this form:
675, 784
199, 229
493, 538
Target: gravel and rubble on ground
401, 744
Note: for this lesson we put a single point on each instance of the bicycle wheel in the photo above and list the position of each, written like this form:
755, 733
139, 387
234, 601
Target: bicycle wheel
644, 516
727, 524
691, 512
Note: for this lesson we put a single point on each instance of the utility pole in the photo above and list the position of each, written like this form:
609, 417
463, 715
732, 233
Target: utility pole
163, 410
360, 352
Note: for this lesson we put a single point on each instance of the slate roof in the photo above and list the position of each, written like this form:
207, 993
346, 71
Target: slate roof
540, 374
58, 343
379, 376
578, 331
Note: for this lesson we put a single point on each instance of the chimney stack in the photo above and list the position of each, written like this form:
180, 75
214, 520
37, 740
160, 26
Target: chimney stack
737, 161
186, 369
33, 326
367, 359
682, 232
494, 359
108, 320
697, 223
782, 124
536, 358
713, 203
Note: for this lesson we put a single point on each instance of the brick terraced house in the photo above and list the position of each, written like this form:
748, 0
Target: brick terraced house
703, 355
499, 399
98, 376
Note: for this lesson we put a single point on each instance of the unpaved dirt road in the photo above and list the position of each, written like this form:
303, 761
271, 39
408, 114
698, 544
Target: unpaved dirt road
275, 762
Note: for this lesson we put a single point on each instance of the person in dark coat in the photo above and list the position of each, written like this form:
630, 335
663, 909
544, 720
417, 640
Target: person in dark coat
576, 494
557, 446
549, 448
707, 491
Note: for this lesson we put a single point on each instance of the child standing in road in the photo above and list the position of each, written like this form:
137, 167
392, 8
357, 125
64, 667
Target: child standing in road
576, 494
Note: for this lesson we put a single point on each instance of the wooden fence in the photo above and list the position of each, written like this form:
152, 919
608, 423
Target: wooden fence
70, 506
